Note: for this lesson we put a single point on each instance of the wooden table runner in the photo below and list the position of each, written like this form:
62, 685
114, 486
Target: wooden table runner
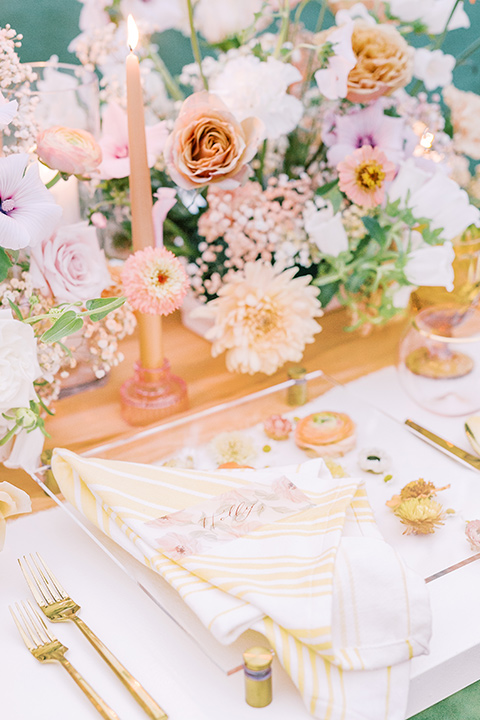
93, 417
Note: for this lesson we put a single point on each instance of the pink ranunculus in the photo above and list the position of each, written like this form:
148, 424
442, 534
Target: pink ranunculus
209, 145
69, 150
69, 265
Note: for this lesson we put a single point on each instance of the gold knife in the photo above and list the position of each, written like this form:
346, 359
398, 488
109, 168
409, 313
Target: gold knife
445, 446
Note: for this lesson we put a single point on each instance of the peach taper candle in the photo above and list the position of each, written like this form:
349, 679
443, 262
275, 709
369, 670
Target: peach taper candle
149, 326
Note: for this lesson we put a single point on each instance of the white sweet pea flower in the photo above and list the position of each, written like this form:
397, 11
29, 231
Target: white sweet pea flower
434, 196
431, 265
433, 67
23, 450
356, 12
8, 110
252, 88
434, 14
324, 229
332, 80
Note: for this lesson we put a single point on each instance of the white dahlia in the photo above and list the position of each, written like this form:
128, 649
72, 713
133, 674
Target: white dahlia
263, 317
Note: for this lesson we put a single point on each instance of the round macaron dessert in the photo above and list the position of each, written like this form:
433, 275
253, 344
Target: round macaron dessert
327, 433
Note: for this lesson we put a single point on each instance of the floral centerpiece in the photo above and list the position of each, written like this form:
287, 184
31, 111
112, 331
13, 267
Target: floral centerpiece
333, 162
54, 279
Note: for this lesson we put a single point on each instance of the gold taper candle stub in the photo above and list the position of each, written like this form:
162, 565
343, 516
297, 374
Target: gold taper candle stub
258, 676
297, 393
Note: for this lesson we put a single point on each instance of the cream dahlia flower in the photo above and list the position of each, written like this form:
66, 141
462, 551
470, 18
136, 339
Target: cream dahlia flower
263, 317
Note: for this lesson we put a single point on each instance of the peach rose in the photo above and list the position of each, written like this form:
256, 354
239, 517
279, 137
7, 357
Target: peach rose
384, 62
208, 145
68, 150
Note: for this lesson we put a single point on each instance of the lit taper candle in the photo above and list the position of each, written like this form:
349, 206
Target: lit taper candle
149, 326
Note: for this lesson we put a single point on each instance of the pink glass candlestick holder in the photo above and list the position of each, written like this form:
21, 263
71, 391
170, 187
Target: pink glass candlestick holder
152, 394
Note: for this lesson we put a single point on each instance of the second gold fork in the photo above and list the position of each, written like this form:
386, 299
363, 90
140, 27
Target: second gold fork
58, 606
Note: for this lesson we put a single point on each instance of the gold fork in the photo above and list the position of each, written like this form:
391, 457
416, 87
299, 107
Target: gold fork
58, 606
46, 648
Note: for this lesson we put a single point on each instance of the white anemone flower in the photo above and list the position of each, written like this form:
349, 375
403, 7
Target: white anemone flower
263, 317
28, 212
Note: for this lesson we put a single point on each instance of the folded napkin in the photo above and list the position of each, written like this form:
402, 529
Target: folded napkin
290, 552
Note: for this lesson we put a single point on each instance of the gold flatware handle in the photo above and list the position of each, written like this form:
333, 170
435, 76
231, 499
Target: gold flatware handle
99, 704
146, 702
462, 456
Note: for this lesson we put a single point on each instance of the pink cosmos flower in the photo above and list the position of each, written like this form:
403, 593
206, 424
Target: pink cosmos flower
28, 212
366, 127
69, 265
71, 151
166, 199
363, 174
114, 143
154, 281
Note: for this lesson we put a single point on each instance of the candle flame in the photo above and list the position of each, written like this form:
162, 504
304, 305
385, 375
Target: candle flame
132, 34
426, 141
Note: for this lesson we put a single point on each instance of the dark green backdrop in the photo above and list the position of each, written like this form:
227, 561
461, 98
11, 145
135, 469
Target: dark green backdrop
49, 25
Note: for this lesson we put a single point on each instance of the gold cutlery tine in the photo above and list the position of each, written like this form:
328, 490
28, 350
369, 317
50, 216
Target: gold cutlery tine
58, 606
464, 457
45, 647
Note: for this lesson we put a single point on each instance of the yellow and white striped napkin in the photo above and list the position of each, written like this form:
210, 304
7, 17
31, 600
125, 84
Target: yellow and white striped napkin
290, 552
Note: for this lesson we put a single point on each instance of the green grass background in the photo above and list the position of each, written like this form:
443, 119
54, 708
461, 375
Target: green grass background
49, 25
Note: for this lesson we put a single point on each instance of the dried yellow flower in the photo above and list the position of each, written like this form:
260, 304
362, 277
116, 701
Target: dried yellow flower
418, 488
421, 515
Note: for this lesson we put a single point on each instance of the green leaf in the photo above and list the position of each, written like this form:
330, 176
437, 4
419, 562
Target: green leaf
5, 264
326, 188
327, 292
374, 229
104, 306
67, 324
15, 309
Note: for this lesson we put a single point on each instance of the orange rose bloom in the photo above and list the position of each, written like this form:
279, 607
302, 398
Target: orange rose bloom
384, 62
208, 145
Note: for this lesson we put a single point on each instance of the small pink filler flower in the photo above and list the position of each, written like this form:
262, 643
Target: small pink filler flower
277, 427
363, 175
154, 281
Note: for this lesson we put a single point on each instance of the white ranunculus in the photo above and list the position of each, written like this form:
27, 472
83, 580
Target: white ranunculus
18, 363
252, 88
434, 196
434, 14
325, 230
332, 80
433, 67
431, 265
69, 265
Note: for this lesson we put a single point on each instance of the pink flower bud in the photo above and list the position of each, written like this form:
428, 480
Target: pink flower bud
68, 150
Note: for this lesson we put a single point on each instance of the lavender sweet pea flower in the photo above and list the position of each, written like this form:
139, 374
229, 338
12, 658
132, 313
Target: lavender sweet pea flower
28, 212
332, 80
